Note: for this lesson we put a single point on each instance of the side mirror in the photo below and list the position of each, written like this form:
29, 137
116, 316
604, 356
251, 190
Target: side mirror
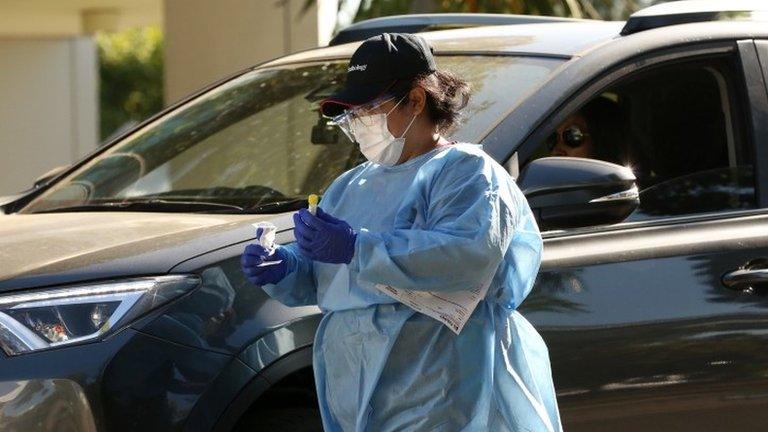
6, 201
568, 192
43, 179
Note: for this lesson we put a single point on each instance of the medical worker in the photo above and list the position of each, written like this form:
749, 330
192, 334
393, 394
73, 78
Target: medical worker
422, 214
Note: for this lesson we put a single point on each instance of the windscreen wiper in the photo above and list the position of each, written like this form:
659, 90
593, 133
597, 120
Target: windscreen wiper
151, 205
279, 206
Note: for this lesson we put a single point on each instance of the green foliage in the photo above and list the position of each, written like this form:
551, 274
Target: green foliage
131, 76
595, 9
532, 7
373, 9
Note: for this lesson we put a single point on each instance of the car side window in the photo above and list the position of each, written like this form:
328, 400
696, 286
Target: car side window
682, 131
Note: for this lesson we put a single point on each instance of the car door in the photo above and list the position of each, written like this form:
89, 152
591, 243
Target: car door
661, 322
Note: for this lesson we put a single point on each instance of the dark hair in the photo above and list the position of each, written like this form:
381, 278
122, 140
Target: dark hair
604, 120
446, 93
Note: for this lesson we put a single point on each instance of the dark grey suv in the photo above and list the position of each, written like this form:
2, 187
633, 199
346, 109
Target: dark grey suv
122, 305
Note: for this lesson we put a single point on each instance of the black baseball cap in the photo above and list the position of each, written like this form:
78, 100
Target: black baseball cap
376, 66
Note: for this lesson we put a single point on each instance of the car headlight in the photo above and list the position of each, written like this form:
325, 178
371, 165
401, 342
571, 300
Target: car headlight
38, 320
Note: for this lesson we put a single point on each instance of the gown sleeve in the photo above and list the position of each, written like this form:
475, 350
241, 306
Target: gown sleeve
469, 223
299, 287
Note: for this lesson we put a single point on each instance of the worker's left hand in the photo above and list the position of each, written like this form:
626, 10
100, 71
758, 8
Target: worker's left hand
255, 256
324, 238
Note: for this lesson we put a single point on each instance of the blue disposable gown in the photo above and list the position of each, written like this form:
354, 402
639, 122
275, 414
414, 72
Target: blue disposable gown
441, 221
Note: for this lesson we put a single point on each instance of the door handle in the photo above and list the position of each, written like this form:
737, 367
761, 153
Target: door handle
746, 278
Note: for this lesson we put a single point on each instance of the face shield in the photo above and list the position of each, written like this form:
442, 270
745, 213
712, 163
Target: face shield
359, 116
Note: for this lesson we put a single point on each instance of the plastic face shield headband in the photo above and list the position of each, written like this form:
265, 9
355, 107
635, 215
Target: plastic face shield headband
362, 115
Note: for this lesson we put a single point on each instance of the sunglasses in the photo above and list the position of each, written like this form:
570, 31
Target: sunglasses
571, 136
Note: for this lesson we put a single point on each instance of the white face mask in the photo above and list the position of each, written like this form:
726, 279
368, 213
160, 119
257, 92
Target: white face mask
377, 144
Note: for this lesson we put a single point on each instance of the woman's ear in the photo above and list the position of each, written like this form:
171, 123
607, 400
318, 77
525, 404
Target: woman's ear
417, 98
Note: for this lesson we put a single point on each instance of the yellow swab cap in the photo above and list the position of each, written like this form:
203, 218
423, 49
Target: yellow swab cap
313, 200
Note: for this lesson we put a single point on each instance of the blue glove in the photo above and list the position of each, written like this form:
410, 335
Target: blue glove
324, 238
255, 254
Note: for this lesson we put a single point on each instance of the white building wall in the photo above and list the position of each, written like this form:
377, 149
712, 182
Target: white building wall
48, 64
48, 106
206, 41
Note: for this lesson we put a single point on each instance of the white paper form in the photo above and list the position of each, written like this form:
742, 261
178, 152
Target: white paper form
450, 308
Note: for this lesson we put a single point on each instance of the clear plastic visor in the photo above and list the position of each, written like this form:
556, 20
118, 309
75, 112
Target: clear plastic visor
359, 116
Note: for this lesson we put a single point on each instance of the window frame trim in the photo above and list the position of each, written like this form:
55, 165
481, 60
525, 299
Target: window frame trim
756, 94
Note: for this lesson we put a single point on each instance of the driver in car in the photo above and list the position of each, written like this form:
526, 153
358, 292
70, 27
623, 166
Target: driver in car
592, 132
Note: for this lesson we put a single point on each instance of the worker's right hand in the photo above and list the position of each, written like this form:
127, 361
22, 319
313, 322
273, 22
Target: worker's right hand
255, 255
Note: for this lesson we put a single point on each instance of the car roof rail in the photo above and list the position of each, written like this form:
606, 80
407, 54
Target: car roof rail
417, 23
691, 11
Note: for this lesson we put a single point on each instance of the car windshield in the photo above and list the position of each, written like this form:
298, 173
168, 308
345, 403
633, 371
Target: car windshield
258, 143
